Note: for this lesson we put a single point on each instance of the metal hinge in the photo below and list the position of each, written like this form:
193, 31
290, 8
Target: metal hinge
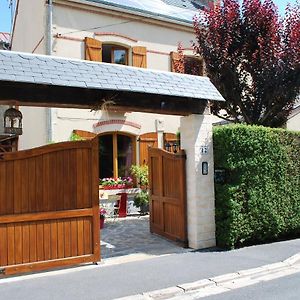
2, 271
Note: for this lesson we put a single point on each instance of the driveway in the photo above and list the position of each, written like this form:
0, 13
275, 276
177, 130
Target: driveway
131, 235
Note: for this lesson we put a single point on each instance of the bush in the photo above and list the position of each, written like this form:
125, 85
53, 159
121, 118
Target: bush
260, 199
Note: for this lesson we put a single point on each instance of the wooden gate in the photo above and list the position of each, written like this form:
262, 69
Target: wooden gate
168, 195
49, 207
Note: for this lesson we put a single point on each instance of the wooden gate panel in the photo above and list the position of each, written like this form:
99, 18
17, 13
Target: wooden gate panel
49, 207
168, 195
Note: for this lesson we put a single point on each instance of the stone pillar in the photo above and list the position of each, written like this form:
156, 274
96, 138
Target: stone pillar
196, 140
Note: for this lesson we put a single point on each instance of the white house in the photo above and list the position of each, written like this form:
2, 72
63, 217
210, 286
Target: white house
142, 33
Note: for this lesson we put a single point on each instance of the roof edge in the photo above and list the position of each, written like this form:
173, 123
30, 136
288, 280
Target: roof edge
136, 12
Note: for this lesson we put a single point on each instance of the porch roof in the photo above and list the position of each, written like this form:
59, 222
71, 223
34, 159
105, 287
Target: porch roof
28, 78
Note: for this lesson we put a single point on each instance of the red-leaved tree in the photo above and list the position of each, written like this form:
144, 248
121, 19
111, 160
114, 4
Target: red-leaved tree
253, 57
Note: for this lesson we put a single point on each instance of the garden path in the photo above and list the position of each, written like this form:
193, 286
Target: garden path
131, 235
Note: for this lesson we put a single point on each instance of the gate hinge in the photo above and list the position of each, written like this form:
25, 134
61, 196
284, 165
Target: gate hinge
2, 271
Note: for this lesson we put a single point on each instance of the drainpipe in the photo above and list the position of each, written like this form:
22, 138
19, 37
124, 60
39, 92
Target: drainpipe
49, 37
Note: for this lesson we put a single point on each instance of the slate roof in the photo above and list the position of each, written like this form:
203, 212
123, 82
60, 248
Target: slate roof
178, 10
189, 4
50, 70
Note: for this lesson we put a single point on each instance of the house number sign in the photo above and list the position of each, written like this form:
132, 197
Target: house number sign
204, 150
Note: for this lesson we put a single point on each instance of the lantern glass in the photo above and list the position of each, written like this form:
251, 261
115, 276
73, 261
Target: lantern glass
13, 121
168, 146
175, 148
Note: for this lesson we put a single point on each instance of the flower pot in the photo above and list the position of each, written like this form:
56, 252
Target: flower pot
102, 223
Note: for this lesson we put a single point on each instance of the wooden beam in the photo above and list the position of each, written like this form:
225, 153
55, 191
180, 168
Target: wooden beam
29, 94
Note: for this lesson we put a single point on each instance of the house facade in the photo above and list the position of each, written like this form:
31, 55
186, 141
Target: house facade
144, 35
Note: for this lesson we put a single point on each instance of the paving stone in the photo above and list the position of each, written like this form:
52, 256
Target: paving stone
132, 235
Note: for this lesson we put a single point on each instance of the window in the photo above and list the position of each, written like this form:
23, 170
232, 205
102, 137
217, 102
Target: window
115, 54
116, 154
95, 50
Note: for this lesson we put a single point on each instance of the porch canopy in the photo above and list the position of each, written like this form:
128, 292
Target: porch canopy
39, 80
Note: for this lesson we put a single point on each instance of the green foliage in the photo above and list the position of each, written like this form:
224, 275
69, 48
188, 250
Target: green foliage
141, 198
140, 173
75, 137
260, 200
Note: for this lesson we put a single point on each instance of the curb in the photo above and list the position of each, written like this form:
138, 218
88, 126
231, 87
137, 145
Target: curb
223, 283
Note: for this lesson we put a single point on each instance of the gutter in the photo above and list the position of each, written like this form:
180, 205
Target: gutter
49, 43
133, 11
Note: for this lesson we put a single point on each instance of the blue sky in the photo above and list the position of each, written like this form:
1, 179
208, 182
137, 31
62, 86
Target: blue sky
5, 18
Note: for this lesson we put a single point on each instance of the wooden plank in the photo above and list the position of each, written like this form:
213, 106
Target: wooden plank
25, 243
40, 151
95, 199
32, 200
39, 169
61, 238
79, 178
80, 236
46, 183
87, 229
33, 242
17, 187
3, 245
40, 266
40, 241
67, 238
73, 182
53, 239
3, 191
11, 244
18, 244
51, 215
47, 241
86, 178
53, 177
60, 180
74, 238
24, 186
67, 200
9, 187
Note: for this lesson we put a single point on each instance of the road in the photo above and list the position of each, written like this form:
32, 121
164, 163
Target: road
284, 288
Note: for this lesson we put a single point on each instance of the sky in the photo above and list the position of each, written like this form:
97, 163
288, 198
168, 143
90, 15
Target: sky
5, 15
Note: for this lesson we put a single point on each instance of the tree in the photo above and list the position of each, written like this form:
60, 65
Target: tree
253, 58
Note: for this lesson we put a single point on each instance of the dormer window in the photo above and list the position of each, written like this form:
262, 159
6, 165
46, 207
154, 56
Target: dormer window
114, 54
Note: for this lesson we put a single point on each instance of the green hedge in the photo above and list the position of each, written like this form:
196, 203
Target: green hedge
260, 199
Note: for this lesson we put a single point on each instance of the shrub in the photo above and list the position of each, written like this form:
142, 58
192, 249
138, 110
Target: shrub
260, 199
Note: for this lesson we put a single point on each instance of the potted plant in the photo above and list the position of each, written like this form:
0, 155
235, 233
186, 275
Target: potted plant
102, 213
141, 200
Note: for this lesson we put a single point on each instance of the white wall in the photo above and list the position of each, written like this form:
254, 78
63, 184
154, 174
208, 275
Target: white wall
73, 23
30, 27
294, 123
34, 127
3, 108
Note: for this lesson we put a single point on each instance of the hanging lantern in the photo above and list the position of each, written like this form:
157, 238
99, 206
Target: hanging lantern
13, 121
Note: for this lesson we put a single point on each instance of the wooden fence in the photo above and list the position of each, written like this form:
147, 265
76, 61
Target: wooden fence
168, 212
49, 207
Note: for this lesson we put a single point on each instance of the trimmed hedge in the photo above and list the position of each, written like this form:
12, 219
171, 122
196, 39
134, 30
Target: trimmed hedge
260, 199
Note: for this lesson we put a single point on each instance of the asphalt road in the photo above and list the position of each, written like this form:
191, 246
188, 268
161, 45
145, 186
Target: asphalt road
284, 288
110, 282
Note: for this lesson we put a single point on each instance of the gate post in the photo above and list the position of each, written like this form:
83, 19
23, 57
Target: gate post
196, 140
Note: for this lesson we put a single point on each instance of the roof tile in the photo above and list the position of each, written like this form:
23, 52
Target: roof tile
85, 74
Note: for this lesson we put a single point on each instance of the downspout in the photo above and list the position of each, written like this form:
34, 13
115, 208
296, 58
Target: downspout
49, 37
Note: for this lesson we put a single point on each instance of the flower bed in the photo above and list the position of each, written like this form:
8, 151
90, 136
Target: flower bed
116, 183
